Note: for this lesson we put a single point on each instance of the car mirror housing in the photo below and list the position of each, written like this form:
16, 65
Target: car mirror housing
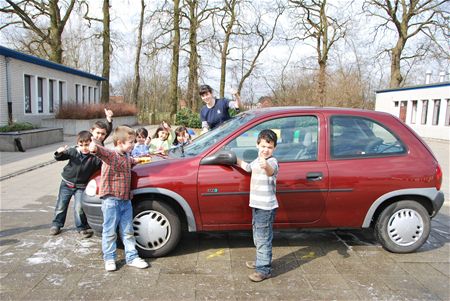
220, 158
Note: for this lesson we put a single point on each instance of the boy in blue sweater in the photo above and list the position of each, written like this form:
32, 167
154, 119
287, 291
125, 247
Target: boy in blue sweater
75, 177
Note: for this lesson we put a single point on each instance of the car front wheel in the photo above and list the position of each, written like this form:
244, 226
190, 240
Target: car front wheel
403, 227
157, 228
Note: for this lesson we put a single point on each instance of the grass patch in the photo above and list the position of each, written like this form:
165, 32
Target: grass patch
15, 127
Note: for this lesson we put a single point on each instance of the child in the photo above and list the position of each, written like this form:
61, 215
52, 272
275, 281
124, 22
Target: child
75, 177
100, 130
263, 201
141, 148
182, 137
160, 143
115, 185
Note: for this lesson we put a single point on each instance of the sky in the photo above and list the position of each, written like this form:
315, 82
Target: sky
125, 18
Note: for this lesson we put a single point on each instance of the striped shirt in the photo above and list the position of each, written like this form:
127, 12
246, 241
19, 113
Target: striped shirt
116, 173
262, 187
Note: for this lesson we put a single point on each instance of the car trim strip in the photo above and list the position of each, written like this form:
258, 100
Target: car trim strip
278, 191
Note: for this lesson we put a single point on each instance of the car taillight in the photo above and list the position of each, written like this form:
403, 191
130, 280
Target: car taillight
91, 188
438, 177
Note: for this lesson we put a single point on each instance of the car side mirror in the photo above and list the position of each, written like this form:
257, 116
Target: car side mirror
220, 158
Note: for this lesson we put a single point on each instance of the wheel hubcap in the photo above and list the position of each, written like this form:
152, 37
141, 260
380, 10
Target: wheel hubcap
151, 230
405, 227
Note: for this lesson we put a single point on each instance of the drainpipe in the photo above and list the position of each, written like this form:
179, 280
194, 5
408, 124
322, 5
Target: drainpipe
8, 91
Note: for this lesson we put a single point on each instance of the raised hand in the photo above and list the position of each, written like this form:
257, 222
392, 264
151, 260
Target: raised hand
62, 149
109, 114
93, 147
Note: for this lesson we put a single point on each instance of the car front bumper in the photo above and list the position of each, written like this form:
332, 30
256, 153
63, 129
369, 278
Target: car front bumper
92, 207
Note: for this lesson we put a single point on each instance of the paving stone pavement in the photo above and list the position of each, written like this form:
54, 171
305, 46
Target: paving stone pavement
308, 265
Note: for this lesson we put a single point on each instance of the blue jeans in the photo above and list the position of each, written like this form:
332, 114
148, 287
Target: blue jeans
262, 222
62, 205
118, 212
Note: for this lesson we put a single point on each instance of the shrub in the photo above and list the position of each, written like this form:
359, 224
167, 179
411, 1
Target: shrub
188, 118
17, 127
94, 111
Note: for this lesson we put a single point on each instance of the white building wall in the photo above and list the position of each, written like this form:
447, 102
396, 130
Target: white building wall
18, 69
385, 102
3, 93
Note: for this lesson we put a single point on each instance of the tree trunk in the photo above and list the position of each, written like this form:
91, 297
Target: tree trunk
192, 89
321, 83
137, 77
173, 94
106, 52
224, 54
396, 53
55, 33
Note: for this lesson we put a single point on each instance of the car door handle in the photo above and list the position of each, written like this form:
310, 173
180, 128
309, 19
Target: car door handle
314, 176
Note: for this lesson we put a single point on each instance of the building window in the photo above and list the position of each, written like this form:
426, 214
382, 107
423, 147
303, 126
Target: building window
51, 96
414, 112
424, 111
95, 95
447, 113
84, 94
396, 104
77, 93
89, 95
40, 101
27, 79
436, 109
61, 92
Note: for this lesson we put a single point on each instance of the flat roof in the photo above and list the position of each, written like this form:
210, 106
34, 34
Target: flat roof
427, 86
45, 63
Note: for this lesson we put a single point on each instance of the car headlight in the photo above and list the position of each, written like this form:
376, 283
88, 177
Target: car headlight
91, 188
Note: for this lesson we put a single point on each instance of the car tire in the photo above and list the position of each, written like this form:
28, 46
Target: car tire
403, 227
157, 228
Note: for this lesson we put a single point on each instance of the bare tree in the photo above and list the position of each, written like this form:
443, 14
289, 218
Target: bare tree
173, 92
409, 19
261, 35
197, 13
106, 45
325, 30
45, 20
137, 77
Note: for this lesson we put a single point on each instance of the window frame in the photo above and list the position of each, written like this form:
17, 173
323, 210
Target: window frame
363, 155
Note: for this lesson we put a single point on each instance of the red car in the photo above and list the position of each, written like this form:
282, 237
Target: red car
339, 168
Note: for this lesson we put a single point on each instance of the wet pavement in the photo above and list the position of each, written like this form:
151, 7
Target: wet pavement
308, 265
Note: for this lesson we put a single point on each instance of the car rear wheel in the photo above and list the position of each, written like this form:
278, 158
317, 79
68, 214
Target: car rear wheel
403, 227
157, 228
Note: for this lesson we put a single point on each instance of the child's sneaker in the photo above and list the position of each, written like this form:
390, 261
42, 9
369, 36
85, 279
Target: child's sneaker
110, 265
55, 230
258, 277
86, 233
138, 263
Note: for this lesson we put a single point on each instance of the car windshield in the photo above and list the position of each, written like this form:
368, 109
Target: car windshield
212, 137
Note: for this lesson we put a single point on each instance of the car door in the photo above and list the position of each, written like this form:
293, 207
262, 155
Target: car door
302, 182
366, 160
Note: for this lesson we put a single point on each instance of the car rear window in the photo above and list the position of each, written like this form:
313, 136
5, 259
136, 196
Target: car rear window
355, 137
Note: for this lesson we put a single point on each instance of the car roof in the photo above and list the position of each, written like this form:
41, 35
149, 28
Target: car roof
310, 109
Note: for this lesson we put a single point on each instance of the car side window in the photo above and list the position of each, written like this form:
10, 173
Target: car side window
297, 139
355, 137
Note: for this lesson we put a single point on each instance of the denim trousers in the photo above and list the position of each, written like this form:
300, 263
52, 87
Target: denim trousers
118, 212
262, 222
62, 205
